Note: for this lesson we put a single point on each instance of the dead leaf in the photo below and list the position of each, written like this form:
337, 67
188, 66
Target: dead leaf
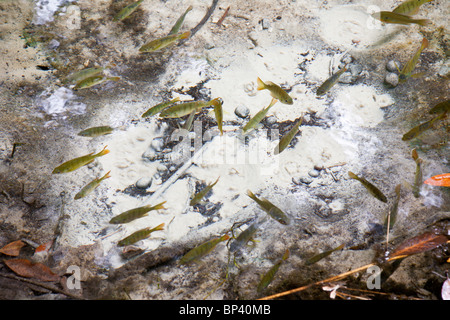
28, 269
13, 248
421, 243
440, 180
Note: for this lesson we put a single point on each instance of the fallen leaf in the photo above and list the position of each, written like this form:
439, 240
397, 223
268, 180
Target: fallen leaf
421, 243
28, 269
13, 248
44, 247
440, 180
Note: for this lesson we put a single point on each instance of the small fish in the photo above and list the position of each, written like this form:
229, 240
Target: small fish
77, 163
421, 128
218, 112
444, 106
322, 255
163, 42
203, 249
177, 26
410, 7
369, 186
440, 180
84, 74
397, 18
126, 11
268, 277
270, 208
258, 117
411, 64
392, 216
244, 237
418, 179
199, 196
275, 91
96, 131
91, 186
92, 81
135, 213
287, 138
184, 108
330, 82
139, 235
159, 107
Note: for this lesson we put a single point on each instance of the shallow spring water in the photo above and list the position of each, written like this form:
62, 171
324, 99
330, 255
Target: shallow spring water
357, 126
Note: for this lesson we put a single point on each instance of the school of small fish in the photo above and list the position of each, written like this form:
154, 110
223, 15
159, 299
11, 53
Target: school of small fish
174, 108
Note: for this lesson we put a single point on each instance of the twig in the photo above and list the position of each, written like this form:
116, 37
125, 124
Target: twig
335, 278
219, 23
43, 285
202, 22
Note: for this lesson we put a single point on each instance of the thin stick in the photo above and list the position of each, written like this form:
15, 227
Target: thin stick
202, 22
219, 23
335, 278
43, 285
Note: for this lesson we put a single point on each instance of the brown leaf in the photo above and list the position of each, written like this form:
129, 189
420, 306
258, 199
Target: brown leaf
13, 248
421, 243
28, 269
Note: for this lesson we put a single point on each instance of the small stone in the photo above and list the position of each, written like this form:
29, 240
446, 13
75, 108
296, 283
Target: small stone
242, 111
347, 78
318, 166
355, 69
314, 173
271, 120
305, 180
347, 59
144, 183
149, 154
391, 79
161, 168
392, 65
444, 70
265, 23
157, 144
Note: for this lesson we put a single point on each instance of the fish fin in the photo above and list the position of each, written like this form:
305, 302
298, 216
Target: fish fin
285, 255
251, 194
90, 162
103, 152
418, 75
260, 84
159, 227
106, 176
414, 154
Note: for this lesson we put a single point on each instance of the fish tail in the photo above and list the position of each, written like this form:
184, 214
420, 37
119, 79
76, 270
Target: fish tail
425, 42
251, 194
103, 152
423, 22
260, 84
352, 175
185, 35
106, 176
285, 255
159, 227
160, 206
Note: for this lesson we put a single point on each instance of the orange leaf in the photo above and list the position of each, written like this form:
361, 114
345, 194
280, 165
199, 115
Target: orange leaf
44, 247
421, 243
13, 248
28, 269
441, 180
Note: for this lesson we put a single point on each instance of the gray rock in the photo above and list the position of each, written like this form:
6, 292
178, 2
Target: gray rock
144, 183
271, 120
391, 79
314, 173
444, 70
301, 180
157, 144
318, 166
391, 65
347, 59
241, 111
347, 78
149, 154
355, 69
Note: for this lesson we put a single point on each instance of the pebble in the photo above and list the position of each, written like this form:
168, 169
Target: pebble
157, 144
318, 166
301, 180
355, 69
241, 111
314, 173
144, 183
391, 79
271, 120
391, 65
149, 154
265, 23
444, 70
